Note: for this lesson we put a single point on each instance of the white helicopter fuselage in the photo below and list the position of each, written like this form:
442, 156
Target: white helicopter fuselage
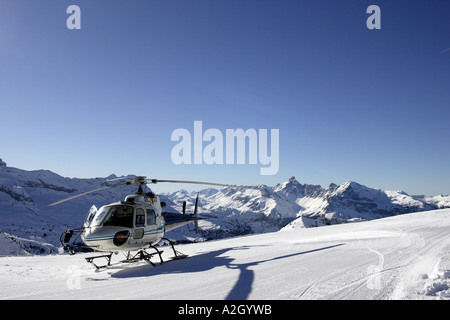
128, 225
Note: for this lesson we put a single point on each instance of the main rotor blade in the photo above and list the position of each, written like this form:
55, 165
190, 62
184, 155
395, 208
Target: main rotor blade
78, 195
130, 180
154, 181
85, 193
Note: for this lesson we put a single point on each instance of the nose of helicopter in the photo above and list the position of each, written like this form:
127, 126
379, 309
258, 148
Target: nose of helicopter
105, 240
94, 238
86, 236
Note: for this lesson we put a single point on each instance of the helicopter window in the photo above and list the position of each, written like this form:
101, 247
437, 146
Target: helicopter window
140, 217
98, 218
90, 216
151, 216
120, 216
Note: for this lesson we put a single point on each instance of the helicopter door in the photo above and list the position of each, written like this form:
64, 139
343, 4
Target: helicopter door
151, 217
139, 224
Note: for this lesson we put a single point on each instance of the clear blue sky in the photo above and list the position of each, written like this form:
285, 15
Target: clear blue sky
372, 106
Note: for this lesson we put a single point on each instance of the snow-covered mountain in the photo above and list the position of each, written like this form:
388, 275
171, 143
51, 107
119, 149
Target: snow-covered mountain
29, 225
292, 204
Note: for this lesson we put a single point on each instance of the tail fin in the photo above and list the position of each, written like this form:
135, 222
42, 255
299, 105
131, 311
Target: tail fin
195, 214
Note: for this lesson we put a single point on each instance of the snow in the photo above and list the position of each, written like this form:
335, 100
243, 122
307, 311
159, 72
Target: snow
400, 257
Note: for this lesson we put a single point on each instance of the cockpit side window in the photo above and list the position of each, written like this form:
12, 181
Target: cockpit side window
151, 217
120, 216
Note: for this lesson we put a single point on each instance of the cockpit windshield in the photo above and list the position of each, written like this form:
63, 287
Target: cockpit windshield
120, 215
99, 216
91, 214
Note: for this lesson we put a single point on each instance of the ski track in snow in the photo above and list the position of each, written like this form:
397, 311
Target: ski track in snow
401, 257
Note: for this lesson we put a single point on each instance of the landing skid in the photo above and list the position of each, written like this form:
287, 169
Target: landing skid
140, 255
106, 256
143, 255
177, 254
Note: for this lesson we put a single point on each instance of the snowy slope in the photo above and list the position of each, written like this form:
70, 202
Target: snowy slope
400, 257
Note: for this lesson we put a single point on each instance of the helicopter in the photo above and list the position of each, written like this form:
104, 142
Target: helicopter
136, 223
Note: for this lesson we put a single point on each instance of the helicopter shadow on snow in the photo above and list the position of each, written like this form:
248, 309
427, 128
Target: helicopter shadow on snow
210, 260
